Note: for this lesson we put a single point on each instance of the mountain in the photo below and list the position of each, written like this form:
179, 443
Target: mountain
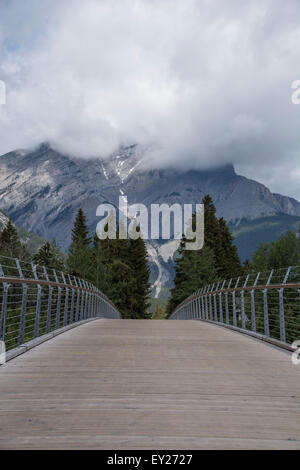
41, 190
3, 221
33, 242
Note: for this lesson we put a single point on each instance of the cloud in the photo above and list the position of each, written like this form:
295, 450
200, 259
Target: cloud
198, 82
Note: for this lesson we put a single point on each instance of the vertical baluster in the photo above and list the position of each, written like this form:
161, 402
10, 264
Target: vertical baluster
23, 307
82, 299
206, 303
38, 304
3, 307
66, 307
253, 315
281, 308
71, 320
220, 302
243, 304
77, 300
234, 303
49, 306
266, 311
226, 302
58, 306
215, 303
210, 303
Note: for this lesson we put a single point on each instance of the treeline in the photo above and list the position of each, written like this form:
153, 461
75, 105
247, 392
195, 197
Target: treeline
117, 267
280, 254
218, 259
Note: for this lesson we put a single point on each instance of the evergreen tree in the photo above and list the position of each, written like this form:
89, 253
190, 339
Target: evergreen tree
137, 259
120, 278
49, 256
218, 259
120, 270
10, 244
80, 230
280, 254
228, 262
79, 261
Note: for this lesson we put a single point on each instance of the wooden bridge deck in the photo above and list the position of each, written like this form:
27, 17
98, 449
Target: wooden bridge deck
138, 384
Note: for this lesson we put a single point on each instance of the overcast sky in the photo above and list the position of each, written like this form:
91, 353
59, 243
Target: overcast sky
200, 82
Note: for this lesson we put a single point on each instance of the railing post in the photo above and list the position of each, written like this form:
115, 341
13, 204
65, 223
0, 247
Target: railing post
65, 320
226, 303
3, 307
57, 321
281, 308
220, 302
215, 303
23, 307
38, 304
199, 303
234, 304
253, 317
266, 313
85, 294
77, 300
82, 300
49, 306
201, 299
210, 303
206, 303
243, 304
72, 300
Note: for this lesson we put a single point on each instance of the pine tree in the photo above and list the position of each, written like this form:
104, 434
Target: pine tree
80, 230
79, 261
228, 262
138, 261
218, 259
10, 244
49, 256
120, 270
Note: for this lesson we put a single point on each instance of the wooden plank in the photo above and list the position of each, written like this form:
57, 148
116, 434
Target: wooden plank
140, 384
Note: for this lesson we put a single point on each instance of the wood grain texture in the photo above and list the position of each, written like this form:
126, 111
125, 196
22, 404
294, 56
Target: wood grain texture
140, 384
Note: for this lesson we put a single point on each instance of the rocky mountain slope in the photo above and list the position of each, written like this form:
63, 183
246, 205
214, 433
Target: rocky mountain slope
41, 190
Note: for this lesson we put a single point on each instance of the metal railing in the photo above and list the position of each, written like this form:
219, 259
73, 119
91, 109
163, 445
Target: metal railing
266, 304
35, 301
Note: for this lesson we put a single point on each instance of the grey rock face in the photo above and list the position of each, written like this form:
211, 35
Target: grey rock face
42, 190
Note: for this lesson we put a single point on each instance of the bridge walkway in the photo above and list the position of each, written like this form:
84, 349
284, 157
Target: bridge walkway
140, 384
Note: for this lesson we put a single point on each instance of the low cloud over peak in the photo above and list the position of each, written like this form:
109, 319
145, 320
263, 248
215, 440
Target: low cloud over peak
197, 83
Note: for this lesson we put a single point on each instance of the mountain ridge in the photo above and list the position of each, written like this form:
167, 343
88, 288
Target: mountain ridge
41, 190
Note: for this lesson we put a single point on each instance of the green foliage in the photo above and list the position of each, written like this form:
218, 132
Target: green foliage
80, 230
118, 267
159, 313
10, 244
218, 259
50, 256
280, 254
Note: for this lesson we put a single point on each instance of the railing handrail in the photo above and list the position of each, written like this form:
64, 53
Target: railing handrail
277, 318
42, 282
35, 300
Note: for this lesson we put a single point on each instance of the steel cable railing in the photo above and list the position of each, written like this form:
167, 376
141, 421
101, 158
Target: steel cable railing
267, 304
35, 301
